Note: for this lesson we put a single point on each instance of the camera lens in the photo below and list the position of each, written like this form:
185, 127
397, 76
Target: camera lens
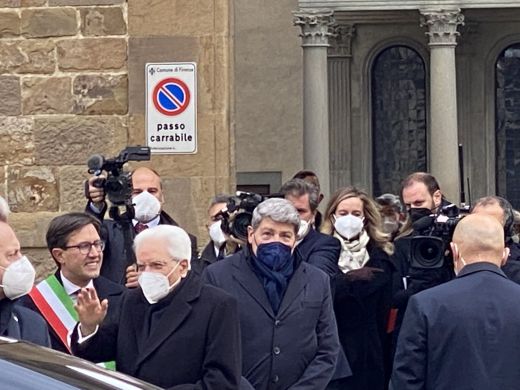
239, 225
427, 252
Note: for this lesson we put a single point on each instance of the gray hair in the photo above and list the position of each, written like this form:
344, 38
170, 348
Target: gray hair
4, 209
177, 241
219, 198
300, 187
277, 209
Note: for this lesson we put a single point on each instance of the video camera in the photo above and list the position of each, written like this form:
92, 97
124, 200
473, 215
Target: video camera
237, 214
436, 231
118, 184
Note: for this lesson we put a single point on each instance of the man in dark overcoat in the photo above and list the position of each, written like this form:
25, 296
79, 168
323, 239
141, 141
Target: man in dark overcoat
464, 334
173, 331
289, 334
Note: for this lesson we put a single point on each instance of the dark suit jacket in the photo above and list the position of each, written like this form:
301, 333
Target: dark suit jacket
21, 323
194, 343
295, 349
322, 251
464, 334
105, 289
116, 256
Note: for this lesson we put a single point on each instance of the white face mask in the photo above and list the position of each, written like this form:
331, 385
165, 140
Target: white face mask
348, 226
155, 285
303, 230
216, 234
146, 207
18, 278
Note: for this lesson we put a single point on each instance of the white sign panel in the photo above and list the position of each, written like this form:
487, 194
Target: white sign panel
171, 108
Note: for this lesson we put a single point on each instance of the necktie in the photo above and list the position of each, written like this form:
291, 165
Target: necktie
139, 227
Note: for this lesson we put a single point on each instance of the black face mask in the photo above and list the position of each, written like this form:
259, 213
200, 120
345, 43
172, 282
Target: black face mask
418, 213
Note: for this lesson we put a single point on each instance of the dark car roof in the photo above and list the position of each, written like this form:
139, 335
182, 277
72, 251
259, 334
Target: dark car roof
27, 366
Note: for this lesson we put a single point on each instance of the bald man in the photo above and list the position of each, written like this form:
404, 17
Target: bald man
464, 334
148, 197
16, 280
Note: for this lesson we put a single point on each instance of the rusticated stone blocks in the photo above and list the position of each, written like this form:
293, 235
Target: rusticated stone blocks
100, 21
92, 53
9, 24
71, 140
47, 95
51, 22
100, 94
10, 95
27, 56
32, 189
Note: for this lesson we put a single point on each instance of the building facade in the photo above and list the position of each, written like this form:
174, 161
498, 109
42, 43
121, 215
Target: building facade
407, 82
361, 91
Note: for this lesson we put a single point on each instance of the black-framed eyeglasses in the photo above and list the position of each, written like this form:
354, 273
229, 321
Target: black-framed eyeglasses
85, 247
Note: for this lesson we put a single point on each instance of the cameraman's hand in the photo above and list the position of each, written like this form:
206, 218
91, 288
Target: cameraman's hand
362, 274
132, 277
96, 194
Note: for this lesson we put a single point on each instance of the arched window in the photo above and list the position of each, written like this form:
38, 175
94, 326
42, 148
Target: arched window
507, 126
398, 117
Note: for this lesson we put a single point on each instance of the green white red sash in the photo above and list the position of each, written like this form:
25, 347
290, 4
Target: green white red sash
57, 307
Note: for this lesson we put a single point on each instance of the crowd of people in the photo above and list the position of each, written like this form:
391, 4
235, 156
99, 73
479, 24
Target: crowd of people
400, 291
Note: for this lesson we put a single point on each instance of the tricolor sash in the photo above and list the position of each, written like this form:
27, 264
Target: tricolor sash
57, 308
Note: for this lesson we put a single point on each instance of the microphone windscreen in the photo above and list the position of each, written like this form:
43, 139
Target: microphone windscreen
95, 162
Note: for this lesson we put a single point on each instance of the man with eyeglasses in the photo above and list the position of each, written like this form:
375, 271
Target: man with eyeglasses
75, 245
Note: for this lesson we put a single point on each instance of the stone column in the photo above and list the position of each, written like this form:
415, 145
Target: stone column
442, 32
340, 55
315, 32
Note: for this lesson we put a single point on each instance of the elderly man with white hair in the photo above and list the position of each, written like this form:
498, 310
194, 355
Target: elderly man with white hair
173, 331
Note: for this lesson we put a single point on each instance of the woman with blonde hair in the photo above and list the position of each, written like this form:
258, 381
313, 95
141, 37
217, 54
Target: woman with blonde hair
363, 289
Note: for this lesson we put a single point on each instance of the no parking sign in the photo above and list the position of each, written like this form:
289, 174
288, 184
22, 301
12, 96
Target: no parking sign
171, 107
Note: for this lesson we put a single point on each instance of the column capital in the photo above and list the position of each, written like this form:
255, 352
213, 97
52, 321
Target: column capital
442, 26
341, 40
315, 26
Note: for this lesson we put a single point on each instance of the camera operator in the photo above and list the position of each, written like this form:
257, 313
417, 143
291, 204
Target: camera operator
501, 209
220, 244
424, 201
148, 199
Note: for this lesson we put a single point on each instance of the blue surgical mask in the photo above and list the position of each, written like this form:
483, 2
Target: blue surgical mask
274, 255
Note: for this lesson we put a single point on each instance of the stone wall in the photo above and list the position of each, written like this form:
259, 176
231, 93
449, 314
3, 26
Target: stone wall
72, 84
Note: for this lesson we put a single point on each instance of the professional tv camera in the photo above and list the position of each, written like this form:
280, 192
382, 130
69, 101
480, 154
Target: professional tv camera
118, 184
430, 247
237, 214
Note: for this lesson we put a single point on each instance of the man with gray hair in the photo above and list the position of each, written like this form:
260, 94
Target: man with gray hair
173, 330
289, 334
316, 248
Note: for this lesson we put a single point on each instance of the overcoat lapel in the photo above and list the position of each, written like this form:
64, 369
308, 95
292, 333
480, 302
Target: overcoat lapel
295, 288
174, 315
251, 284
